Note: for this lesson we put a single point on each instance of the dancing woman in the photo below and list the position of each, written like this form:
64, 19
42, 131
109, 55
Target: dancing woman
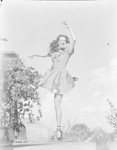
57, 79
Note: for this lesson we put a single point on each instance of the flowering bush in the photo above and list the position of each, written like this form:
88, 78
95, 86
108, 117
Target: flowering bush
20, 84
112, 115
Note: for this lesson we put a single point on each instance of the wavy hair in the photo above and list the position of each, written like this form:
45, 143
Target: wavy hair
54, 46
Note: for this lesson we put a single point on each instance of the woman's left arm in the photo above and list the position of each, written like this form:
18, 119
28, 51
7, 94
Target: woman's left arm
71, 46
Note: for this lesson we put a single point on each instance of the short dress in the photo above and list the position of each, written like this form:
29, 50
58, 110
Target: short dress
57, 79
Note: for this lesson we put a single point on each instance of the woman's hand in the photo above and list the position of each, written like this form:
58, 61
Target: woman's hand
66, 25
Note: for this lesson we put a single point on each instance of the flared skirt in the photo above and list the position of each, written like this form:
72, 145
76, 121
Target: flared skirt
57, 81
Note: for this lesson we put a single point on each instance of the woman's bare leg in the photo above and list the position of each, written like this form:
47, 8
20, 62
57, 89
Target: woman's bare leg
58, 111
57, 103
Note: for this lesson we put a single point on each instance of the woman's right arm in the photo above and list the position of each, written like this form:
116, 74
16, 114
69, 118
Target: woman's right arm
42, 56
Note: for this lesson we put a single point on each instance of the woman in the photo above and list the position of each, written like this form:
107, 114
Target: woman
57, 79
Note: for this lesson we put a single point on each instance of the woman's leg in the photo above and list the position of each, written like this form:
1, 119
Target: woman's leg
58, 111
57, 103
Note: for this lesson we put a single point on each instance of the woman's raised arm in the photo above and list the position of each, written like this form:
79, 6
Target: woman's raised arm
71, 47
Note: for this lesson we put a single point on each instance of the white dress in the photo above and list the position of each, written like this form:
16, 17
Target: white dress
57, 79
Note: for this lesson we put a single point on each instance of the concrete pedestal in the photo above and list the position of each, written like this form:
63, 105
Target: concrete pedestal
38, 132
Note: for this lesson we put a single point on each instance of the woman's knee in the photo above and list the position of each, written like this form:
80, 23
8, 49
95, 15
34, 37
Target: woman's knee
57, 100
58, 96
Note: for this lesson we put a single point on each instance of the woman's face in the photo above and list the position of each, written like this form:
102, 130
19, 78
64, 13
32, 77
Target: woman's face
62, 41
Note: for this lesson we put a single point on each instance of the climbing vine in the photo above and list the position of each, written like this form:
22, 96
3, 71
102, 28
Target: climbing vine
19, 91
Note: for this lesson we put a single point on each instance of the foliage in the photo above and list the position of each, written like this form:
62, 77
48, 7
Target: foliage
100, 136
77, 132
81, 132
20, 84
112, 116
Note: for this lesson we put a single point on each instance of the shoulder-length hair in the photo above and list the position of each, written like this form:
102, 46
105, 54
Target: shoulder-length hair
54, 46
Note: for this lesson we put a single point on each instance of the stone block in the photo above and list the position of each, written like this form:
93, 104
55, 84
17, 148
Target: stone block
39, 132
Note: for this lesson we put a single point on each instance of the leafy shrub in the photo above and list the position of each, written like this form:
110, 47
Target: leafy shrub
19, 88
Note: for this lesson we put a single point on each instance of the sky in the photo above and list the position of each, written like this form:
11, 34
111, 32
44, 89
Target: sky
30, 26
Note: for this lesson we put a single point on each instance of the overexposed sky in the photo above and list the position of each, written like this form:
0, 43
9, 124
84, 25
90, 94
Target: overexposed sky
30, 26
